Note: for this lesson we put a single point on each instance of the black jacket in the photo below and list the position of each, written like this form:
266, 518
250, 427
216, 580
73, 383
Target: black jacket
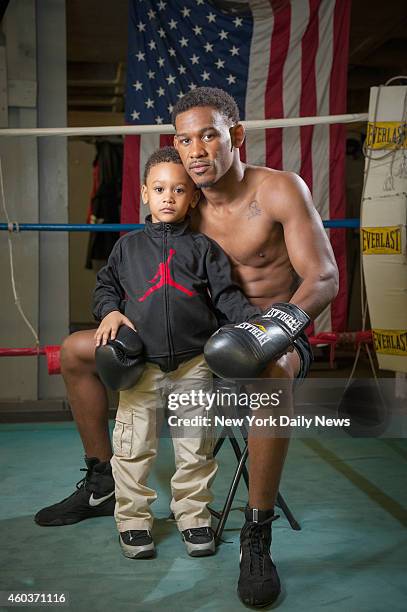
176, 285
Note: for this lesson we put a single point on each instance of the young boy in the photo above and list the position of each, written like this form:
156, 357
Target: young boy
176, 285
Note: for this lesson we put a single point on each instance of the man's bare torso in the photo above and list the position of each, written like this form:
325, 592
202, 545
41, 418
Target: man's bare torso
252, 239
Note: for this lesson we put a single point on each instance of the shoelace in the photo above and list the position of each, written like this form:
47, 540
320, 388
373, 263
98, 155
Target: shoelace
257, 545
138, 534
199, 531
87, 479
81, 483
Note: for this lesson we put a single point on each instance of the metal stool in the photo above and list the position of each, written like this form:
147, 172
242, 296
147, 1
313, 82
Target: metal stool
241, 454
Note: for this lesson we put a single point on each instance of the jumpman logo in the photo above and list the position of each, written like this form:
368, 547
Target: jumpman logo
164, 276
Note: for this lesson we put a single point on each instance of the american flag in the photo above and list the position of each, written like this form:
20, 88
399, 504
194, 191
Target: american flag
277, 58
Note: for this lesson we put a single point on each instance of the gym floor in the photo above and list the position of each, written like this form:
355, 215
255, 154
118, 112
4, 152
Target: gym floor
348, 494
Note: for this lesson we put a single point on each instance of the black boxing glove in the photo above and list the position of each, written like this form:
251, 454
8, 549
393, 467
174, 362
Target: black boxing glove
243, 350
120, 362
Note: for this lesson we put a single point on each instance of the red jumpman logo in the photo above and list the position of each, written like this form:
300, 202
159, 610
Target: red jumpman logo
164, 275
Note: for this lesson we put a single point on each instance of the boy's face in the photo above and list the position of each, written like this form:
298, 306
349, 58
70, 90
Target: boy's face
169, 192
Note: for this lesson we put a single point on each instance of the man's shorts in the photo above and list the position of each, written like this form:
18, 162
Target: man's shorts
304, 350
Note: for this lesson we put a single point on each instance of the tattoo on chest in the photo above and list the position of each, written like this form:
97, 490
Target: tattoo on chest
254, 210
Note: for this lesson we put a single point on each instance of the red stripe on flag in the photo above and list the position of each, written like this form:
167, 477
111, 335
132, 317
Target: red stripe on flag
273, 102
308, 98
130, 210
337, 200
166, 140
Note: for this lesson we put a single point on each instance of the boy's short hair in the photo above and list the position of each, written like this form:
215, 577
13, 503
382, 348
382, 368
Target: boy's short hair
166, 155
207, 96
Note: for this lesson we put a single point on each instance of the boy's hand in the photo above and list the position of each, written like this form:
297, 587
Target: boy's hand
109, 326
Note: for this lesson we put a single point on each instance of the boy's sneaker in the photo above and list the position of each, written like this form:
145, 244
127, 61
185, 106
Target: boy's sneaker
259, 584
94, 496
199, 541
137, 544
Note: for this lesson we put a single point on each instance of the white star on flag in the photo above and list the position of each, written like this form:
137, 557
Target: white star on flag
182, 69
205, 75
173, 24
170, 108
135, 115
208, 47
170, 79
194, 59
197, 30
172, 52
161, 33
161, 5
141, 26
223, 34
234, 50
186, 12
220, 64
151, 74
199, 2
238, 22
158, 120
231, 79
183, 42
138, 86
149, 103
180, 94
152, 45
151, 14
161, 91
211, 18
192, 86
141, 56
161, 62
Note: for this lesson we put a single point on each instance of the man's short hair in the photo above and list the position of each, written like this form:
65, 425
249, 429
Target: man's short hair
207, 96
166, 155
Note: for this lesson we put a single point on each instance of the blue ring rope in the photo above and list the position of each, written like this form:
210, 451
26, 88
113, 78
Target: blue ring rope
128, 227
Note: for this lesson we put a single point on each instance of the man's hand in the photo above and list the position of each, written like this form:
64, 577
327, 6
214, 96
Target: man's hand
109, 326
244, 350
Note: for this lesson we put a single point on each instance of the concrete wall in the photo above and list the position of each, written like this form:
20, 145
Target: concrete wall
34, 78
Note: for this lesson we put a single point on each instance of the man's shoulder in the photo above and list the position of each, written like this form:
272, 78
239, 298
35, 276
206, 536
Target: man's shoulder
268, 178
274, 189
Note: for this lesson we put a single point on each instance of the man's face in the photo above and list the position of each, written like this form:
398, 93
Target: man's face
204, 144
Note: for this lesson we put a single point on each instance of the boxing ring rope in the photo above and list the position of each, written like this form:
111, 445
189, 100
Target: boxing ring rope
167, 128
128, 227
52, 353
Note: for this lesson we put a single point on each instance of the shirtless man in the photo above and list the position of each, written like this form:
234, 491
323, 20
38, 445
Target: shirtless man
266, 222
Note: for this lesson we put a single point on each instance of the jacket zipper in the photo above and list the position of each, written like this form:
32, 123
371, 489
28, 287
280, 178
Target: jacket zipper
167, 228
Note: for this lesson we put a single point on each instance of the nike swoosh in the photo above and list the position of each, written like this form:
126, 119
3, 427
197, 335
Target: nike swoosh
99, 500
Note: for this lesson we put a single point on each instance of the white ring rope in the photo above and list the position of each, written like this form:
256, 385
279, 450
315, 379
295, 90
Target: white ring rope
109, 130
17, 300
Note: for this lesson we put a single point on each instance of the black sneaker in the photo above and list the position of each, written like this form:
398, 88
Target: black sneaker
137, 544
259, 584
94, 497
199, 541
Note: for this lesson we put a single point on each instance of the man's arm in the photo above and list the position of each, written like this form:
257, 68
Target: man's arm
226, 296
307, 244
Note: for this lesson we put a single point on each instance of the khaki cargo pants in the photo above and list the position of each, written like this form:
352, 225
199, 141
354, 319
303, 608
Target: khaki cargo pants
140, 411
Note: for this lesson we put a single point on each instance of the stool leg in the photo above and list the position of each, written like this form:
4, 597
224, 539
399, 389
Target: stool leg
230, 496
281, 504
238, 453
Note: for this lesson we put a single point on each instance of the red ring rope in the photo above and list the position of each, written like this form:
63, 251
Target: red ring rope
52, 352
